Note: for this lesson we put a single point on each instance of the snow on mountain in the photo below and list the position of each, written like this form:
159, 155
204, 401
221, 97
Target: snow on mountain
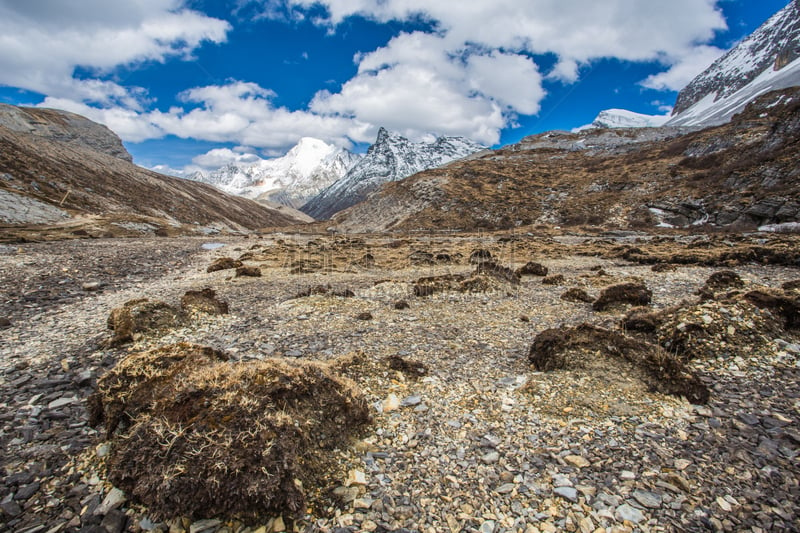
767, 60
391, 158
305, 170
622, 118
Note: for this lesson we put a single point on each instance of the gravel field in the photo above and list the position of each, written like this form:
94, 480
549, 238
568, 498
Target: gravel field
468, 436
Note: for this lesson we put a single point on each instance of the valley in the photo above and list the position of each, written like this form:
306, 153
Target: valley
465, 434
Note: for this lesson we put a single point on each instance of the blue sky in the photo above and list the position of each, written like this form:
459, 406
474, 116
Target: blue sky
198, 83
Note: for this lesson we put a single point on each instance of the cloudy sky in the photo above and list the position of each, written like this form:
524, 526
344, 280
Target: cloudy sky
177, 79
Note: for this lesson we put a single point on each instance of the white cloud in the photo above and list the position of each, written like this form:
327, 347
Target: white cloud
418, 85
473, 75
578, 30
219, 157
684, 68
43, 42
236, 112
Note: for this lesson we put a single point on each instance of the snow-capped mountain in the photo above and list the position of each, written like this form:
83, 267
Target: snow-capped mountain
622, 118
391, 158
767, 60
305, 170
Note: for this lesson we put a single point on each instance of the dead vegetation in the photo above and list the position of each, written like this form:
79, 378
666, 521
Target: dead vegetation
196, 435
590, 348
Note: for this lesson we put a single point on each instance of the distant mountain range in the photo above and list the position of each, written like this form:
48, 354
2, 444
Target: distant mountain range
392, 157
306, 170
320, 179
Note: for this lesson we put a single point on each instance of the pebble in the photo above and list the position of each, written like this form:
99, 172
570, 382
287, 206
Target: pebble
627, 513
202, 526
569, 493
490, 458
647, 498
576, 460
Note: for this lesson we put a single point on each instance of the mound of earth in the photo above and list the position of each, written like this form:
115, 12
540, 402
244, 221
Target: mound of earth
624, 293
138, 316
206, 437
612, 354
737, 326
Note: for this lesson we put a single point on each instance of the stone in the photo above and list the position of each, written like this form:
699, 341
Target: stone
61, 402
115, 521
576, 460
391, 403
487, 526
91, 286
11, 508
26, 491
411, 401
490, 458
724, 504
202, 526
115, 498
505, 488
355, 477
626, 513
568, 493
278, 525
648, 499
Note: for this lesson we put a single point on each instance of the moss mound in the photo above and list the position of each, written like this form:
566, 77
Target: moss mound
205, 437
588, 347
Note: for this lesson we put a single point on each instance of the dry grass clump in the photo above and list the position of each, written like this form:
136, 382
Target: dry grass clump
205, 437
587, 347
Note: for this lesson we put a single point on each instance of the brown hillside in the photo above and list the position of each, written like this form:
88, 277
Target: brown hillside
741, 174
48, 182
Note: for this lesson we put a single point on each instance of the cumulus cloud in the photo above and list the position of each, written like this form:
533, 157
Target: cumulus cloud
578, 30
237, 111
416, 85
684, 69
43, 42
472, 74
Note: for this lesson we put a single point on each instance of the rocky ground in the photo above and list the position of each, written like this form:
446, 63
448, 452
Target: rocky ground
466, 434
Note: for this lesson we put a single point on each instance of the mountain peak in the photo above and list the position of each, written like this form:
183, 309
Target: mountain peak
391, 158
306, 169
383, 135
768, 59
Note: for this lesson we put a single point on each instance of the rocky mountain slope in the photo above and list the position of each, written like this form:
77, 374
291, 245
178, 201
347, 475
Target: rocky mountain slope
768, 59
63, 127
306, 170
392, 157
80, 179
741, 174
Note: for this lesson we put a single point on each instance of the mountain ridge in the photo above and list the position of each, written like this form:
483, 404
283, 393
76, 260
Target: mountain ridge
742, 174
390, 158
51, 176
305, 170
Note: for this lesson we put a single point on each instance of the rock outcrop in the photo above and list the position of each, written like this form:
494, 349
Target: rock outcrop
63, 127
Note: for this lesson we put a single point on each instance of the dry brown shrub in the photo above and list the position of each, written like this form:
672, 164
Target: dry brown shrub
624, 293
206, 437
589, 347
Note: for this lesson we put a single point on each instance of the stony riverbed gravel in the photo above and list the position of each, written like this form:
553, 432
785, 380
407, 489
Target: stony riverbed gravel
476, 441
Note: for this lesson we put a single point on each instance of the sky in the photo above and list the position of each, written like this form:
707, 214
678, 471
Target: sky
196, 84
